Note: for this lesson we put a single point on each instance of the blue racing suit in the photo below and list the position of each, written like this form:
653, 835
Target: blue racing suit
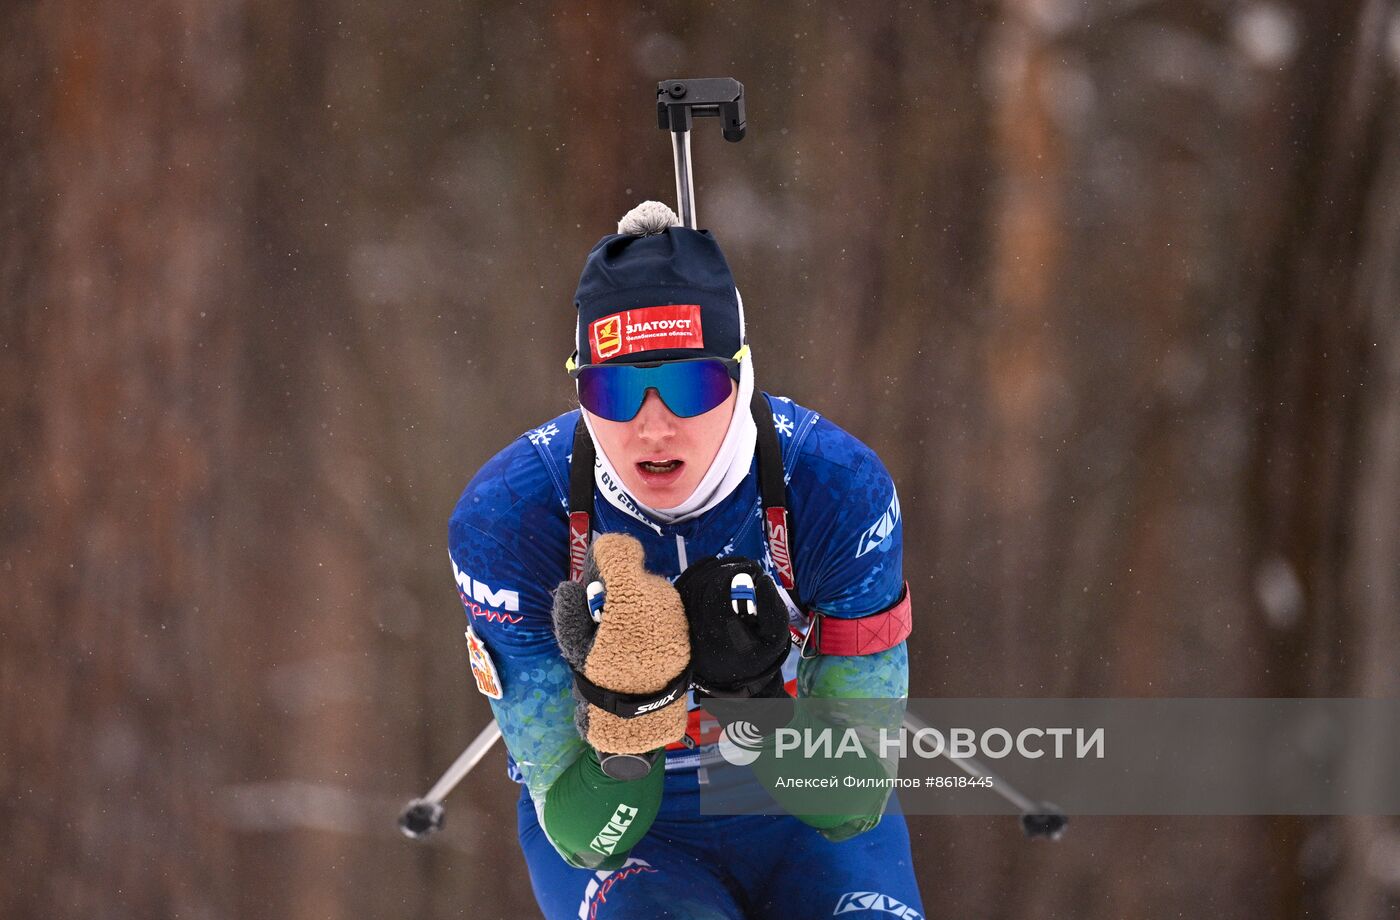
509, 548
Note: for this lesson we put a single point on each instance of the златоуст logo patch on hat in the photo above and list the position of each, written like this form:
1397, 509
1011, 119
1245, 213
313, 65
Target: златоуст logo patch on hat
646, 329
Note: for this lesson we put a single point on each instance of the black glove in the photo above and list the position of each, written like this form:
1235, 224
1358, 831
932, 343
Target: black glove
738, 628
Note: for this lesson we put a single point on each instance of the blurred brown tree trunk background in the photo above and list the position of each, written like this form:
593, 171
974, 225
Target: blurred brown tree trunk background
1112, 286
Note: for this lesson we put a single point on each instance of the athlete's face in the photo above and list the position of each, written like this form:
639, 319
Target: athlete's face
660, 456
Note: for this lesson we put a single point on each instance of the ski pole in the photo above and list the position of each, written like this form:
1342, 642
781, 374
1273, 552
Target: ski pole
425, 816
1038, 819
677, 102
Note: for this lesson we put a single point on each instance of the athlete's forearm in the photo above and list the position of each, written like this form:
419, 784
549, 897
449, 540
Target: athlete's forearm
536, 716
592, 819
799, 778
879, 676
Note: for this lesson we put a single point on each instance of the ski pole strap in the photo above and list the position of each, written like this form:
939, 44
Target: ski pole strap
865, 635
631, 705
772, 490
580, 499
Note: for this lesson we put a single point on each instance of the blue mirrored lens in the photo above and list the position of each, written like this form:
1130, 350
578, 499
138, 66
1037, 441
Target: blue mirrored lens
688, 388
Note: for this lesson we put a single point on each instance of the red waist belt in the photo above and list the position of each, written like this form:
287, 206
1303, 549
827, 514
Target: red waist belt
865, 635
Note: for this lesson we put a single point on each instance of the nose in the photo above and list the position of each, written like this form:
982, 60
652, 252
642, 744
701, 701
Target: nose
654, 422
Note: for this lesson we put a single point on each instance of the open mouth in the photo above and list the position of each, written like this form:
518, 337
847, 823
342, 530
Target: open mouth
660, 467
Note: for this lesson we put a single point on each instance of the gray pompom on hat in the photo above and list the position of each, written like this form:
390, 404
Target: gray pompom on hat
648, 219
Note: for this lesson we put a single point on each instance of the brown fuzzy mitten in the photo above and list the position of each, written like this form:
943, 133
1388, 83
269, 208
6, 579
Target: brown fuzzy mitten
633, 658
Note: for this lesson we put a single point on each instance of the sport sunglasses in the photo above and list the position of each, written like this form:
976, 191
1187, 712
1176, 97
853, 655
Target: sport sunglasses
689, 386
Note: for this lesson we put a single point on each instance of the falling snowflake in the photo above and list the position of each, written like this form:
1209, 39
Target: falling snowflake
543, 435
784, 425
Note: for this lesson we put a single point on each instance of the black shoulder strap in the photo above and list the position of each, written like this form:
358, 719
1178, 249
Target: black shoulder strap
580, 498
581, 471
772, 490
771, 487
